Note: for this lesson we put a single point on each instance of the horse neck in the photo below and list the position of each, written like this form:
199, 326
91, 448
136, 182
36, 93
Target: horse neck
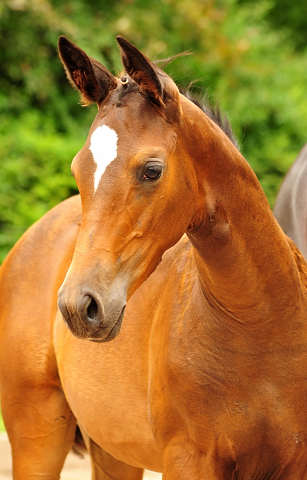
245, 266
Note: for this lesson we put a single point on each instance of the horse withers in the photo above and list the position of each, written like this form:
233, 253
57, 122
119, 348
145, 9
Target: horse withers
180, 342
290, 207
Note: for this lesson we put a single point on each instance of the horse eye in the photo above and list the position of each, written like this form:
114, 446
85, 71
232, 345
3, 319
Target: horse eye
153, 172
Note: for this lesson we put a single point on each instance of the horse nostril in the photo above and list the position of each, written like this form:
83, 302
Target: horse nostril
63, 308
90, 313
92, 310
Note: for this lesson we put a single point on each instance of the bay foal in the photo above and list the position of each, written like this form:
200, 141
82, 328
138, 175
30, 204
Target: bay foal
180, 262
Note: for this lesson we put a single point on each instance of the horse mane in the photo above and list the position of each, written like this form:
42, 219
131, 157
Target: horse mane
214, 113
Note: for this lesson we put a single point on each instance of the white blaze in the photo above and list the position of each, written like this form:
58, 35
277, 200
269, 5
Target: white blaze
104, 150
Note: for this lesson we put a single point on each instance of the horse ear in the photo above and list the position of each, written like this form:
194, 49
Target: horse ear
91, 78
142, 71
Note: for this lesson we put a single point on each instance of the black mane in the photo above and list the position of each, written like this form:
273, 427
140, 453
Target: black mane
214, 113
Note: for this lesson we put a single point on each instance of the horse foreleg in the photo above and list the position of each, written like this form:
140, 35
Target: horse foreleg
41, 429
106, 467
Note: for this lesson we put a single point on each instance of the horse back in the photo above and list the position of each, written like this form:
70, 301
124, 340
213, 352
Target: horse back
291, 203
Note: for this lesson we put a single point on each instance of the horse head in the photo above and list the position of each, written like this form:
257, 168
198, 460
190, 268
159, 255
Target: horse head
137, 186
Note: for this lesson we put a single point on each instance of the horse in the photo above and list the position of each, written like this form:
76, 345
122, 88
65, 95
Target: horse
163, 310
290, 207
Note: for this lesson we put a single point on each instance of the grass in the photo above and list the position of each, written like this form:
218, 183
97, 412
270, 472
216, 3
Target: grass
2, 427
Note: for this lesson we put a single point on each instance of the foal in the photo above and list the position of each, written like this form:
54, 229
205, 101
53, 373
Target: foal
205, 376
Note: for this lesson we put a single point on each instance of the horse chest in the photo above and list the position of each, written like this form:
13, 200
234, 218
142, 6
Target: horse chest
251, 421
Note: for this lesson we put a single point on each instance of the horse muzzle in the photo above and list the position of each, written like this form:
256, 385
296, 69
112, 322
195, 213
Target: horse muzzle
90, 317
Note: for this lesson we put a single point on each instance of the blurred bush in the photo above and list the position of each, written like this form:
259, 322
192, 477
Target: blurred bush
35, 172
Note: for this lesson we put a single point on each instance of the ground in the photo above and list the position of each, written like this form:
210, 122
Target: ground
75, 468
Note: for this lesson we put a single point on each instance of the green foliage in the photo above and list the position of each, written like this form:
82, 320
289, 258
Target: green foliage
35, 172
267, 109
2, 428
290, 17
245, 54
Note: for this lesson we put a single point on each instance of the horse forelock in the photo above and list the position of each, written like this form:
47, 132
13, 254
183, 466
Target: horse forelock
125, 89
